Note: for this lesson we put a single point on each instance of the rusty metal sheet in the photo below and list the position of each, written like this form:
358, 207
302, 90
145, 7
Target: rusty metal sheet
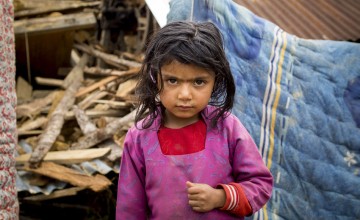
321, 19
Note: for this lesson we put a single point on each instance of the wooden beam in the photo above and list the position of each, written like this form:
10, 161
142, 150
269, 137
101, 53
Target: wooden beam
52, 7
100, 135
68, 156
108, 58
95, 86
51, 24
34, 107
97, 183
56, 120
56, 194
49, 81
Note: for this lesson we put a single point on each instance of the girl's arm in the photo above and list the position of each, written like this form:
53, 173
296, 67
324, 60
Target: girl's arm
131, 200
253, 179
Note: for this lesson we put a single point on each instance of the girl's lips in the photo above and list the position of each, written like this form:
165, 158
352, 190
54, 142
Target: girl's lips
183, 107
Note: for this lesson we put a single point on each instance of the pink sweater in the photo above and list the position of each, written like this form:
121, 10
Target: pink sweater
152, 185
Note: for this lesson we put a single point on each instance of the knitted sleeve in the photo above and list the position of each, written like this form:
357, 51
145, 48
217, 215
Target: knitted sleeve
9, 207
236, 201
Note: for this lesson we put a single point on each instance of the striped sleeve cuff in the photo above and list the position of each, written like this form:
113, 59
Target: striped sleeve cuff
236, 201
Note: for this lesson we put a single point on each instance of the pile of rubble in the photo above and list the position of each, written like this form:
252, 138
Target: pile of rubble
70, 134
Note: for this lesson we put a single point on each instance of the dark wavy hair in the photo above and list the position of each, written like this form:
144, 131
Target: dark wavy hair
187, 42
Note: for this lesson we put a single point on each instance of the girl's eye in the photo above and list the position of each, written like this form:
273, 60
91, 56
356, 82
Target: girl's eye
199, 82
172, 81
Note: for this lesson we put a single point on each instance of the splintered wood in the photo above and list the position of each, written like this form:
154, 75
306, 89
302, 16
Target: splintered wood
53, 170
84, 117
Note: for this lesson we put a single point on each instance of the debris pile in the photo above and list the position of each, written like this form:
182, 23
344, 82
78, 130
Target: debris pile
72, 118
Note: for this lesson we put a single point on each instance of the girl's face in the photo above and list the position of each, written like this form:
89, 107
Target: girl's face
186, 91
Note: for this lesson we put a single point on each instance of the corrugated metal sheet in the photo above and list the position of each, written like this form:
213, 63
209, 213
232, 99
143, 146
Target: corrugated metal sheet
319, 19
24, 179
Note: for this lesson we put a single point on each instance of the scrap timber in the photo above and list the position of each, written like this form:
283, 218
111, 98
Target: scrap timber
73, 116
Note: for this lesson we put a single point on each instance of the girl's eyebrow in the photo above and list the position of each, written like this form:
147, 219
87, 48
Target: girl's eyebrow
202, 76
168, 75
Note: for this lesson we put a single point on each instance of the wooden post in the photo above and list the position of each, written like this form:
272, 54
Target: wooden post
56, 120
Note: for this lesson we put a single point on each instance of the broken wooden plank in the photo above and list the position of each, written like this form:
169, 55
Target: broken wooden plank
59, 96
68, 156
105, 81
49, 81
56, 121
34, 107
83, 120
96, 183
85, 103
96, 85
110, 72
23, 89
50, 24
108, 58
113, 104
51, 7
98, 113
76, 73
100, 135
56, 194
32, 124
126, 88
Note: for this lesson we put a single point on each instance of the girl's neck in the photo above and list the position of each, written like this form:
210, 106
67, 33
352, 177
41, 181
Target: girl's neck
173, 122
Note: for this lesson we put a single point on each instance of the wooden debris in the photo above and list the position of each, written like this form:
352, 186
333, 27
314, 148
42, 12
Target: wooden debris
23, 89
68, 157
113, 104
48, 8
87, 102
110, 72
33, 108
108, 58
83, 120
99, 135
57, 99
56, 120
77, 72
93, 113
126, 88
87, 114
49, 82
32, 124
96, 183
55, 195
47, 24
96, 86
105, 81
116, 149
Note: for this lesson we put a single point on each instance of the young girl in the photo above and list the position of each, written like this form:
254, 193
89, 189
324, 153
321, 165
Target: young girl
188, 157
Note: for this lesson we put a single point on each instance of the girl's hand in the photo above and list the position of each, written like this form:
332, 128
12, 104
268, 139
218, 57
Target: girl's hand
204, 198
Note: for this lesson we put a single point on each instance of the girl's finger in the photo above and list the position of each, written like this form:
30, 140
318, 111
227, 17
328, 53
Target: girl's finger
193, 197
193, 203
193, 190
189, 184
198, 209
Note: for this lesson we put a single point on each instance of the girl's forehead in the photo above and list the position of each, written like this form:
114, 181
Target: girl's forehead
177, 68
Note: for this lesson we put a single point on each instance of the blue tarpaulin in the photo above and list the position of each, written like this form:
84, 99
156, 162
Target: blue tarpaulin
300, 100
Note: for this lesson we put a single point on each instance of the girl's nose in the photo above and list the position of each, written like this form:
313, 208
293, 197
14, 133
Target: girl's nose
185, 93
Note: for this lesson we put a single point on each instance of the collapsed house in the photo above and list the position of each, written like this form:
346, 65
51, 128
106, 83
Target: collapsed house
77, 64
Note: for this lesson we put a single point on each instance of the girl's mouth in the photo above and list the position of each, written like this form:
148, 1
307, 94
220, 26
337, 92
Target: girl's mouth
184, 107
